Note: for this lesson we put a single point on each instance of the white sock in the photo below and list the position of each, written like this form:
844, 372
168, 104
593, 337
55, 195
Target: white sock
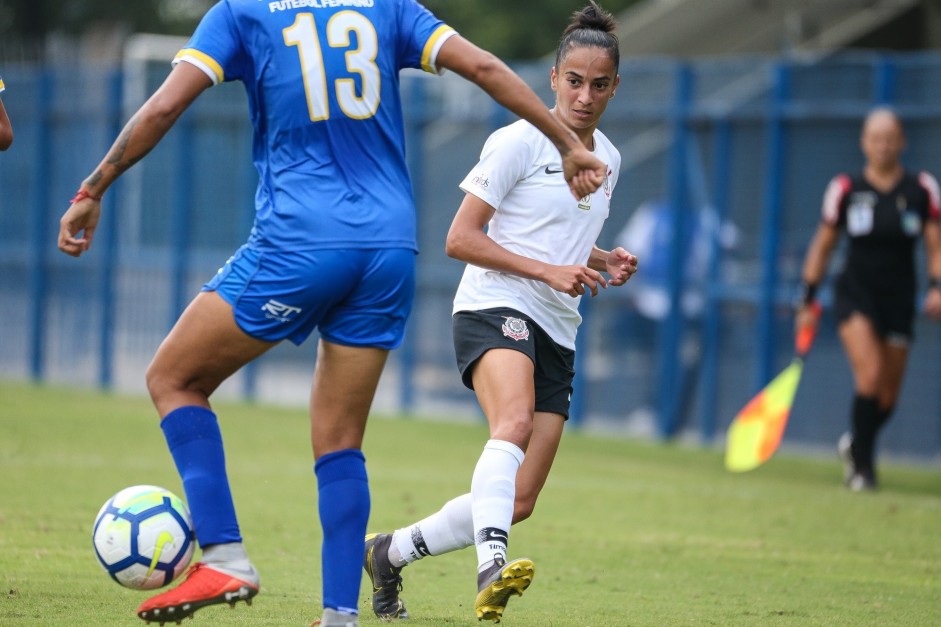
221, 553
493, 490
449, 529
231, 559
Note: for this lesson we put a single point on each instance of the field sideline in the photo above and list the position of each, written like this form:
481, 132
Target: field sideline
626, 533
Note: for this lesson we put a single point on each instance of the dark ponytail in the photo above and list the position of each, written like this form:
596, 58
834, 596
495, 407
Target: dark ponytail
590, 27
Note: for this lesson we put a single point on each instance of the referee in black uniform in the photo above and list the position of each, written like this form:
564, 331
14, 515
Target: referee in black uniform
884, 210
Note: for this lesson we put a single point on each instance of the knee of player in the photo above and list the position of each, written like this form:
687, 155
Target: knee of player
162, 383
515, 429
523, 507
155, 380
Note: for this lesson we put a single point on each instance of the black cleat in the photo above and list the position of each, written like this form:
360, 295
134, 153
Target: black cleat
386, 578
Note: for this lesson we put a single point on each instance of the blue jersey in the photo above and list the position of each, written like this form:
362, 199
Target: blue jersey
322, 78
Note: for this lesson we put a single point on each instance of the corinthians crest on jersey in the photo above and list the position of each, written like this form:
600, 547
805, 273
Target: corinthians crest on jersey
515, 329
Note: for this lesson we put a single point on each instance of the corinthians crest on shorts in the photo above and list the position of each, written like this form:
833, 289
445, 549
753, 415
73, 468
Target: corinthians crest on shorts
515, 328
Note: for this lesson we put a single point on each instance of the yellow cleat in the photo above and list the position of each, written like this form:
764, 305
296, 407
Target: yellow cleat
498, 583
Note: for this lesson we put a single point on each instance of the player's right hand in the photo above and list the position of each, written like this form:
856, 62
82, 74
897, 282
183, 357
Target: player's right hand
573, 280
584, 172
805, 326
805, 317
81, 218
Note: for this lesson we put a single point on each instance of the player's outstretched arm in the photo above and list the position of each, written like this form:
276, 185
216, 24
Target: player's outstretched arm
6, 129
813, 271
142, 132
583, 171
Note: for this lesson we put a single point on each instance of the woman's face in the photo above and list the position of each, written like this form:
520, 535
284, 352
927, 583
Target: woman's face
882, 140
583, 85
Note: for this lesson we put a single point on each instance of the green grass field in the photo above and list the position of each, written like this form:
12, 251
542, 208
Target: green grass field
625, 533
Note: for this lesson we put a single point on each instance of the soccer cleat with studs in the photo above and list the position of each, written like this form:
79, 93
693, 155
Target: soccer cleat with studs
498, 583
845, 448
386, 578
862, 481
856, 478
203, 586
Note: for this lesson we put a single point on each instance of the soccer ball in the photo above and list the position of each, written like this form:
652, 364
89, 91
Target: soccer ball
143, 537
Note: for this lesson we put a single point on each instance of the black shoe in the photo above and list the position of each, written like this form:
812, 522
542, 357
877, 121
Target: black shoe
845, 448
386, 580
862, 481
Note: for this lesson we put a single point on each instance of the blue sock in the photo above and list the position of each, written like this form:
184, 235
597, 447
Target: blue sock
343, 503
195, 442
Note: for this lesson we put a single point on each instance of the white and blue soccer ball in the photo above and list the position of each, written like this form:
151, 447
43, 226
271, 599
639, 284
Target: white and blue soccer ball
143, 537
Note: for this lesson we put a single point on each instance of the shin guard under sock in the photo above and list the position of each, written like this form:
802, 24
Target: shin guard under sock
195, 441
343, 503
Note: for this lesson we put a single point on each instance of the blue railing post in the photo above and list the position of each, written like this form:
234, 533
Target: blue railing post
110, 233
415, 133
41, 240
671, 328
885, 81
709, 388
773, 190
180, 222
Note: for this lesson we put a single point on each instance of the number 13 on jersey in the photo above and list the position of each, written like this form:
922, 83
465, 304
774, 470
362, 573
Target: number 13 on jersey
360, 61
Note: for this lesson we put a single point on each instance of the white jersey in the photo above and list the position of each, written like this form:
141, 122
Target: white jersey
520, 175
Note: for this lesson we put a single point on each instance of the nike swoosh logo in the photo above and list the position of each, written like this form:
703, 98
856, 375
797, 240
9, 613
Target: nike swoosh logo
163, 540
548, 171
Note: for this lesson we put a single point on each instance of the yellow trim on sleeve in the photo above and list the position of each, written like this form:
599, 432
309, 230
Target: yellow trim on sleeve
209, 62
430, 46
2, 86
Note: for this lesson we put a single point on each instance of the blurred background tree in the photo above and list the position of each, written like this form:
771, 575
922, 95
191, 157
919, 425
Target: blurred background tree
515, 30
38, 18
510, 30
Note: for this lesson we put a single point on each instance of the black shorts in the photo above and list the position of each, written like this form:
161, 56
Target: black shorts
476, 332
892, 311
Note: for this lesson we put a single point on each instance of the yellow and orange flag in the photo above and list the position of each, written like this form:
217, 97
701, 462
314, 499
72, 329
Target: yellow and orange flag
756, 431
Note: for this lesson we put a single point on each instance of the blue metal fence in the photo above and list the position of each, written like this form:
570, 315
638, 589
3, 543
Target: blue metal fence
751, 141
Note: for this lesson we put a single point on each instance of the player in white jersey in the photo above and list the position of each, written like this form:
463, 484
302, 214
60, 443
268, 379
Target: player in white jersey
6, 129
515, 320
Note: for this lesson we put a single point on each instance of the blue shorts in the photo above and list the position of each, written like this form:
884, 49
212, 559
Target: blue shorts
354, 297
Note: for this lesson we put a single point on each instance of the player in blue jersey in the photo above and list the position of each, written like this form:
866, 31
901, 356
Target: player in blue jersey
332, 247
6, 129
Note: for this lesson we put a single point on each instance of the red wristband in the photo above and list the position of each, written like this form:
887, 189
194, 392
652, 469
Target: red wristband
82, 195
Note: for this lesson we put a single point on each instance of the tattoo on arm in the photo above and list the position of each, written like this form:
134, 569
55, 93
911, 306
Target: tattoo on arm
117, 156
95, 178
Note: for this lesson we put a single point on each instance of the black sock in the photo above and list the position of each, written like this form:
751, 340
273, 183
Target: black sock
866, 423
885, 414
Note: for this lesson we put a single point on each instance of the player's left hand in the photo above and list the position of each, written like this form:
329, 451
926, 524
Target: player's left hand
932, 305
81, 217
583, 171
621, 265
